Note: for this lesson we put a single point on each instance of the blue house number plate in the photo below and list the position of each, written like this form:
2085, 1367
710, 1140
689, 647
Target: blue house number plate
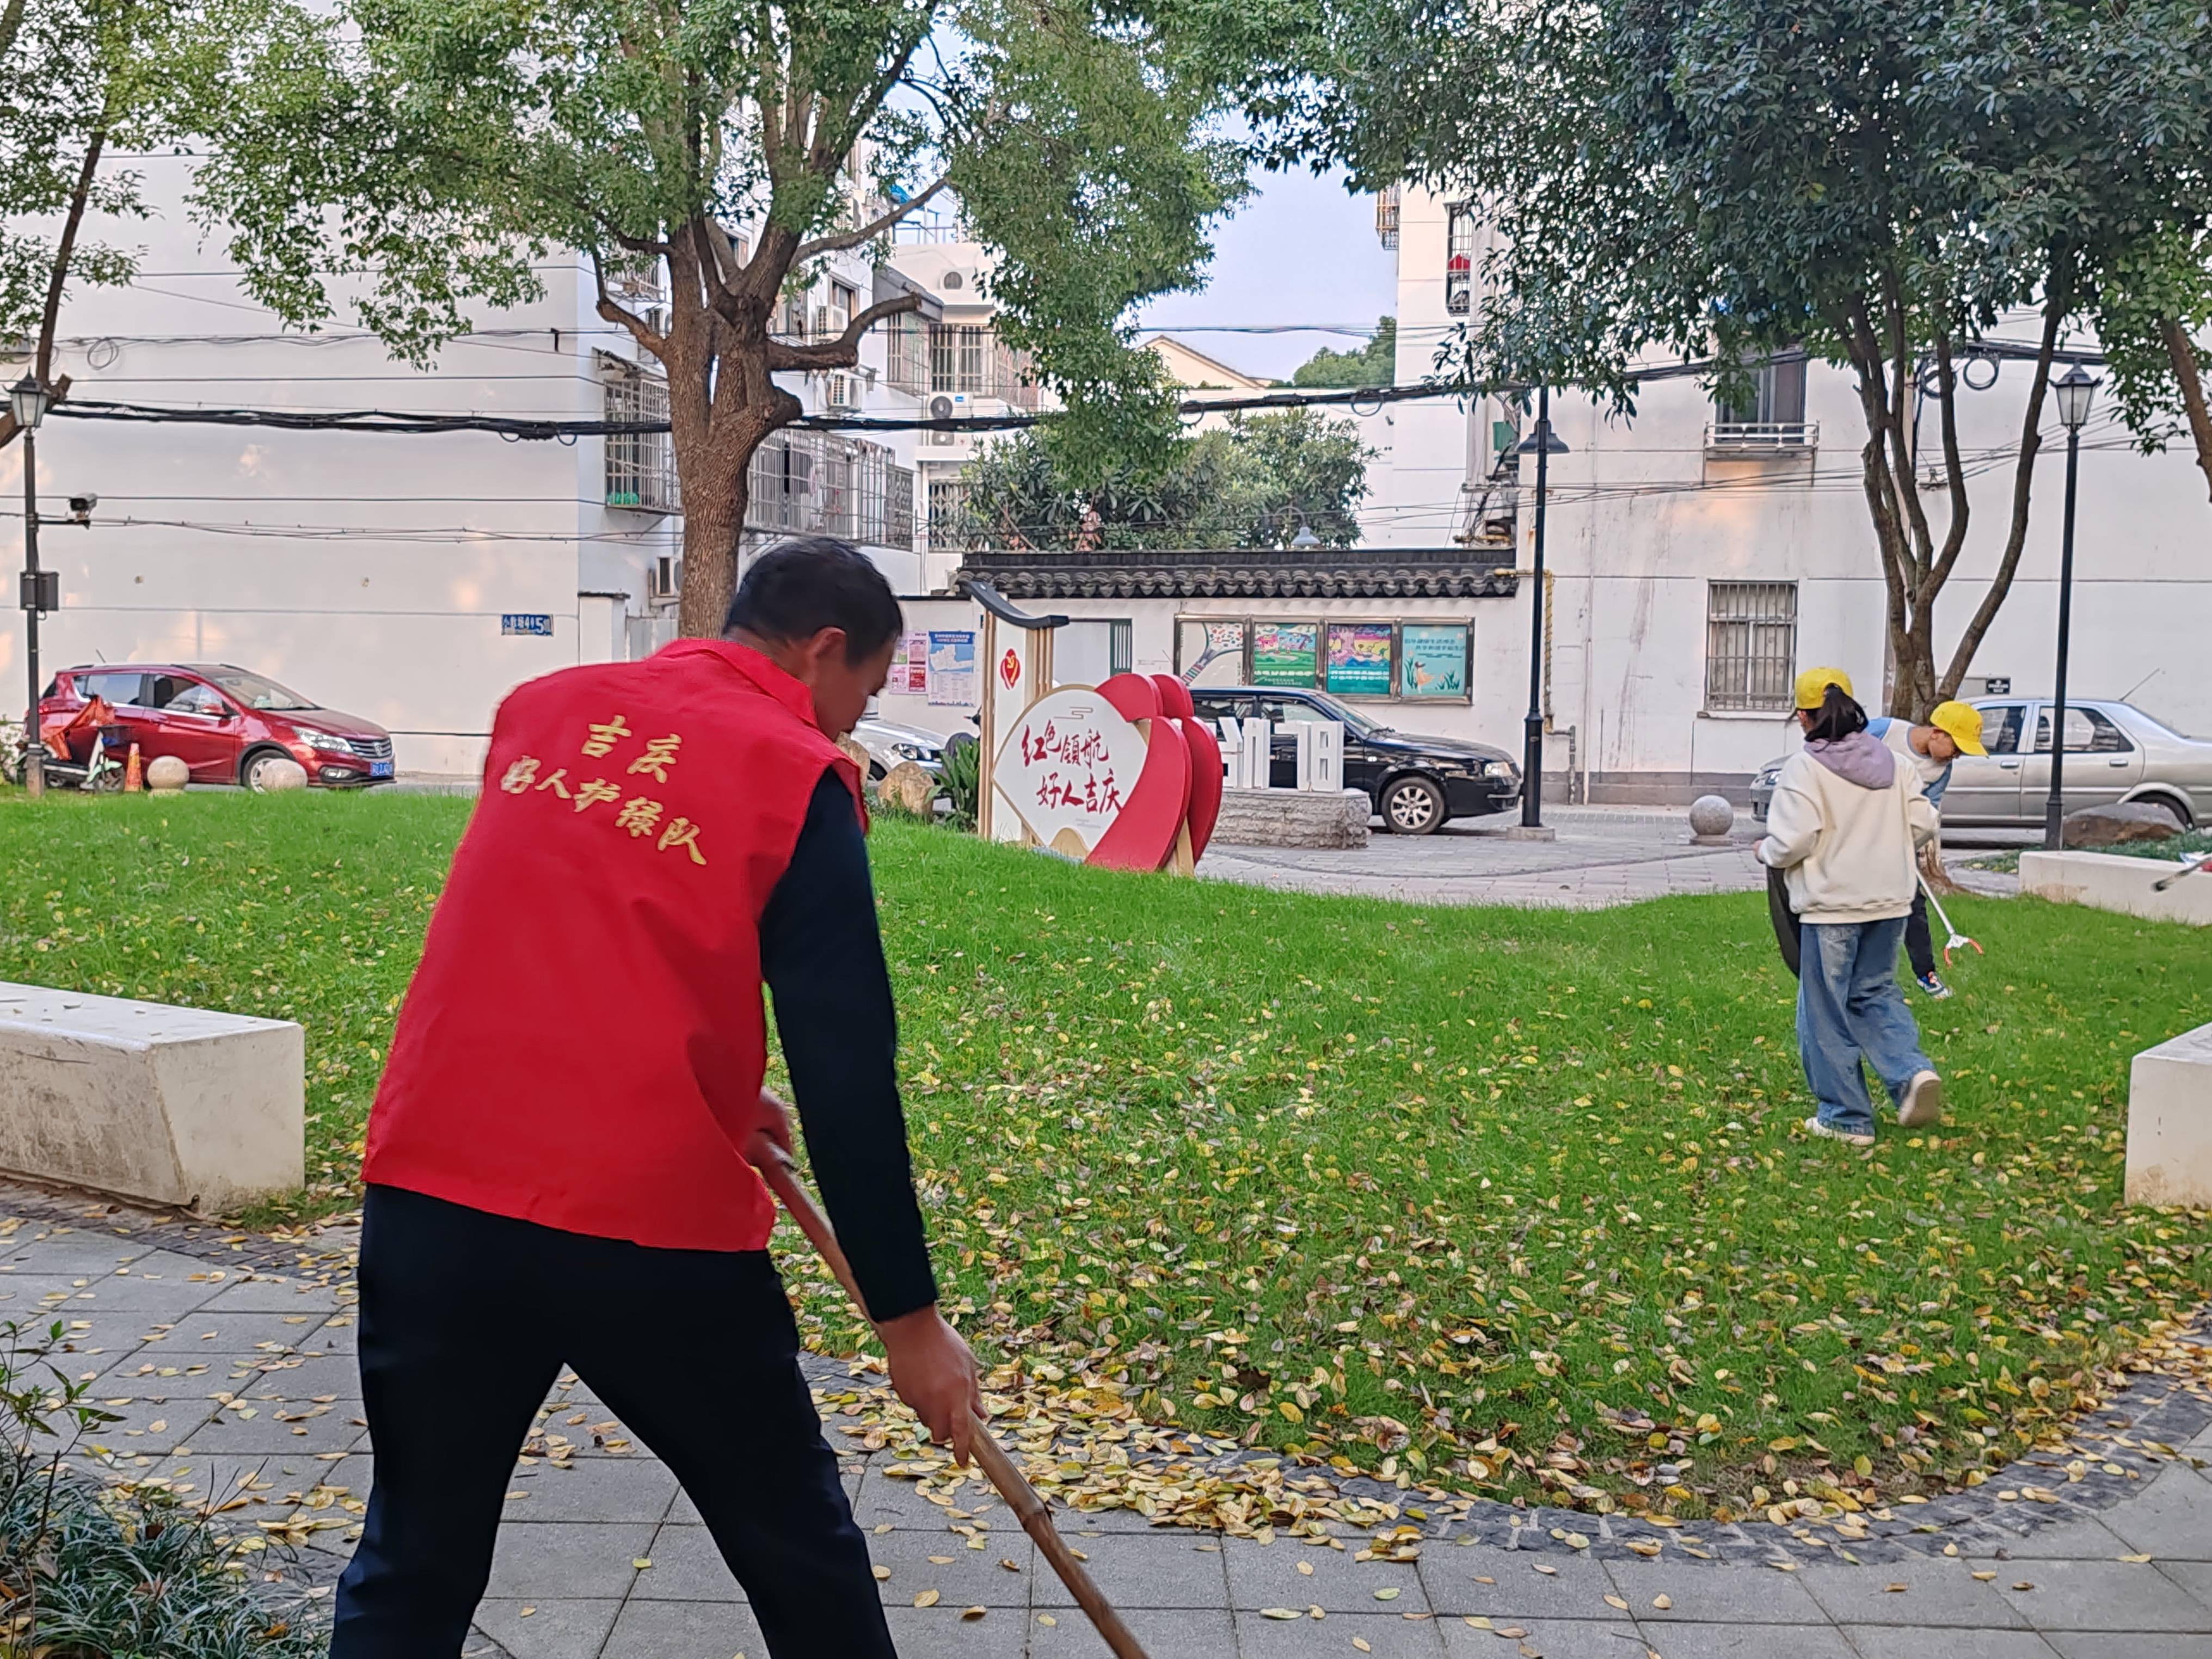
531, 624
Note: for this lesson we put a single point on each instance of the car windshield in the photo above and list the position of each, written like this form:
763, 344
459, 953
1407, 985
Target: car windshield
254, 691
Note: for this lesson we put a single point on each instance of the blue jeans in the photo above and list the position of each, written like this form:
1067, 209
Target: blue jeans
1849, 1009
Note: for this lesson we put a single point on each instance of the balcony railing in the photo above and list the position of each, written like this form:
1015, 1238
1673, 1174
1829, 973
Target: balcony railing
1761, 437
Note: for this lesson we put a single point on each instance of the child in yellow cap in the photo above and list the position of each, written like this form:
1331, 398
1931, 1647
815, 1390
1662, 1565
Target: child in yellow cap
1952, 730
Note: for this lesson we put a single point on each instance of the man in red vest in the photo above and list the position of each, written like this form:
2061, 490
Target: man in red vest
554, 1172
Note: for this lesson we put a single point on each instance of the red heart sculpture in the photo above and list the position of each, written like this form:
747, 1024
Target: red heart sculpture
1205, 776
1144, 836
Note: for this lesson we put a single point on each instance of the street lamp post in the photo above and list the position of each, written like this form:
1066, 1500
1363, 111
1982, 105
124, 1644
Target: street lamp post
2074, 391
1543, 445
28, 400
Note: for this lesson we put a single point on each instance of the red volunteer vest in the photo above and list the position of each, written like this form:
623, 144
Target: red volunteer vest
583, 1042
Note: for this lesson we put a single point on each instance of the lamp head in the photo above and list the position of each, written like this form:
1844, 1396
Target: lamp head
2075, 391
28, 399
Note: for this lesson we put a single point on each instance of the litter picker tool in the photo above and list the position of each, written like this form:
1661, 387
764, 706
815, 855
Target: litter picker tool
1957, 937
776, 1167
2190, 867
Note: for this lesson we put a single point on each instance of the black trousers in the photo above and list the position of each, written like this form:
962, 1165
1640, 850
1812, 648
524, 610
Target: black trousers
1919, 947
466, 1319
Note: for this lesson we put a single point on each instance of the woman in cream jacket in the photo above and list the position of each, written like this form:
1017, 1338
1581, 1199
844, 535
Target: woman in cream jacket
1845, 828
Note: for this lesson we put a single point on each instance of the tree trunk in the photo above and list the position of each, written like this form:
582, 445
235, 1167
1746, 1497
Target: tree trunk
714, 524
2189, 375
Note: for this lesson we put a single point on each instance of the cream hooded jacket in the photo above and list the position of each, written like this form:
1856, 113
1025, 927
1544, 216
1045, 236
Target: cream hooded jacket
1845, 825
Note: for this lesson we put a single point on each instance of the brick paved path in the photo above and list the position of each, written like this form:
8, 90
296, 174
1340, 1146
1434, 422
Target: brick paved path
232, 1360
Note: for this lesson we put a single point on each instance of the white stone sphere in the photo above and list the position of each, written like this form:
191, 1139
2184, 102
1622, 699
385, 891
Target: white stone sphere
278, 775
1712, 815
166, 775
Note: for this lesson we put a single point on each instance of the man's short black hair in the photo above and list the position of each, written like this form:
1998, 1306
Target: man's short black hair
798, 588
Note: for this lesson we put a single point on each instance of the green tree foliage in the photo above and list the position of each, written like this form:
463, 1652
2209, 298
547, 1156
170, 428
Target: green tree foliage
1255, 482
80, 81
432, 148
1376, 364
1880, 182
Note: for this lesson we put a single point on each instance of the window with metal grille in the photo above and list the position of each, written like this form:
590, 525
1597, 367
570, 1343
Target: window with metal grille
949, 525
1459, 258
640, 466
1120, 649
1386, 215
823, 484
1751, 645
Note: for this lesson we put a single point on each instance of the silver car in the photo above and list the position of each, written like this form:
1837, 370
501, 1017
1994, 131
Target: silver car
889, 743
2114, 752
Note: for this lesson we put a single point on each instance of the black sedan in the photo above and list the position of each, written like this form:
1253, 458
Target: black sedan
1416, 783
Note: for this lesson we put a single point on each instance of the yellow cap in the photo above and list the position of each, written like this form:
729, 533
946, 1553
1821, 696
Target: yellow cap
1813, 686
1963, 722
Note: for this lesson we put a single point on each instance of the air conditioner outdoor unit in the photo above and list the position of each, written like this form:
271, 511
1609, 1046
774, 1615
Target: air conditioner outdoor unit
840, 391
664, 577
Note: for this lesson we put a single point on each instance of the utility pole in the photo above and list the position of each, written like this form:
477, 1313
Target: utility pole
1544, 445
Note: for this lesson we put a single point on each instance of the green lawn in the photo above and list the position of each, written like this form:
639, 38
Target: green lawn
1510, 1198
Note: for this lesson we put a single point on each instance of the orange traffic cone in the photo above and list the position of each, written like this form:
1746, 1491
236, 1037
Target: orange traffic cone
134, 777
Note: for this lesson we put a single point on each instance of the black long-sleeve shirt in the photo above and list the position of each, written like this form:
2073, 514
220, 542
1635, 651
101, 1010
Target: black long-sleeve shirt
822, 957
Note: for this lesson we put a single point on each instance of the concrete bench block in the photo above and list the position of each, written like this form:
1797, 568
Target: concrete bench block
2108, 881
1293, 817
181, 1106
2170, 1122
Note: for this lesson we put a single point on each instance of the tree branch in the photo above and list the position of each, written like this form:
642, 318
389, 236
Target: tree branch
2181, 351
1955, 537
2058, 300
844, 351
64, 250
867, 232
611, 312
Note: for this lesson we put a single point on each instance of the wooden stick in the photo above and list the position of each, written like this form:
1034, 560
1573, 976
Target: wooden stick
776, 1167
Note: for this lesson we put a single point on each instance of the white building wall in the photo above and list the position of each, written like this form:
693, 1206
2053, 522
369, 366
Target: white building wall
370, 572
1642, 519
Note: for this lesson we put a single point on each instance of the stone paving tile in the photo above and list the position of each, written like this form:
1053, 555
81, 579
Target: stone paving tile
1387, 1635
1163, 1569
1903, 1642
1574, 1589
940, 1632
682, 1630
276, 1295
2103, 1645
2173, 1520
554, 1630
1745, 1640
596, 1489
213, 1331
2089, 1538
1186, 1634
1555, 1638
264, 1431
562, 1560
2194, 1577
1752, 1596
1267, 1576
686, 1567
2108, 1596
1936, 1591
922, 1561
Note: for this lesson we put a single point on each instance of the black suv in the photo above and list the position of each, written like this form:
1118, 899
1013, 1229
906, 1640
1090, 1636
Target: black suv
1416, 783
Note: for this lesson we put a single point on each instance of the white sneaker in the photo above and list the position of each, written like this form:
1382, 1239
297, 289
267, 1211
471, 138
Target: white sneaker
1814, 1127
1924, 1101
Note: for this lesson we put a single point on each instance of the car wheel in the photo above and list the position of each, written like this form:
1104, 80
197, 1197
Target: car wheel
1412, 806
254, 774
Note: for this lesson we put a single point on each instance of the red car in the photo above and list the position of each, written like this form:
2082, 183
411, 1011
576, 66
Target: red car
226, 724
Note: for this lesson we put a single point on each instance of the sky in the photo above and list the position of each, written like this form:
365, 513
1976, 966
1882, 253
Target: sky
1301, 251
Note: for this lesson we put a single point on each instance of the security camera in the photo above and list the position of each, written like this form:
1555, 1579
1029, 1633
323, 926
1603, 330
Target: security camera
80, 507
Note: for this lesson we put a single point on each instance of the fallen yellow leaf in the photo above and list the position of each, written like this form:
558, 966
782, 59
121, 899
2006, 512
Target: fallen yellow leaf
928, 1598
